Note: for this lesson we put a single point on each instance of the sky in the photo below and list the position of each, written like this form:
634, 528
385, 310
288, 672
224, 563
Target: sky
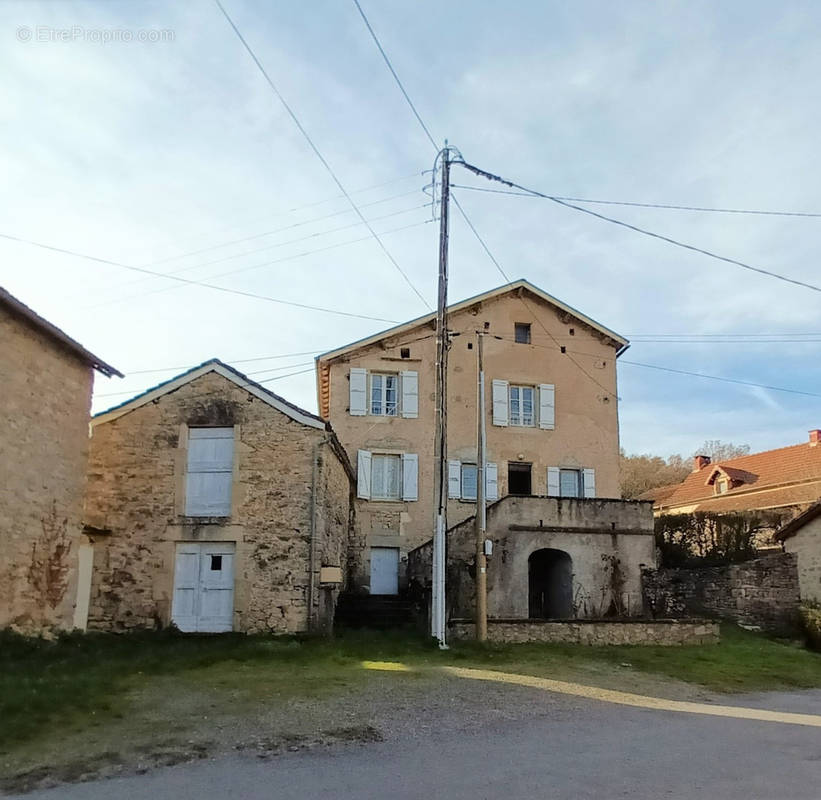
142, 133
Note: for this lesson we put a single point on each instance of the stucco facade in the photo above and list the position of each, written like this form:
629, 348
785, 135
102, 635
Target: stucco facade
583, 433
44, 412
803, 538
284, 533
607, 544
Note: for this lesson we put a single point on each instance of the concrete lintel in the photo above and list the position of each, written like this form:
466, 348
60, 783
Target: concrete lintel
567, 529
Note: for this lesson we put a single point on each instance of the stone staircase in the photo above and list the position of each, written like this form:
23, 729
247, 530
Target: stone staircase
378, 611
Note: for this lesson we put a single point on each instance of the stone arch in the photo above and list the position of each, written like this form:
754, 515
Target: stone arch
550, 584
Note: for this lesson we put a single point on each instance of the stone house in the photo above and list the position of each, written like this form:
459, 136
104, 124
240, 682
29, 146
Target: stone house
802, 537
551, 558
45, 402
216, 505
552, 420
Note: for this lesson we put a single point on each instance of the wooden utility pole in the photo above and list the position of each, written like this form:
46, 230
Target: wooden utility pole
438, 609
479, 518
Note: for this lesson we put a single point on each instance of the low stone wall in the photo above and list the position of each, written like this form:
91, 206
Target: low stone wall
762, 592
668, 632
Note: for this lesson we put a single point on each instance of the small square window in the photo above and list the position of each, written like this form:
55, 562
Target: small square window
405, 352
522, 332
216, 563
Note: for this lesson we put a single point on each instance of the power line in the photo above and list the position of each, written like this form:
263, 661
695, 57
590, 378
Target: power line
293, 257
213, 286
669, 206
129, 373
490, 176
319, 154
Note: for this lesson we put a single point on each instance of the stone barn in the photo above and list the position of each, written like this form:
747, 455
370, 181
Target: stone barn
552, 559
216, 505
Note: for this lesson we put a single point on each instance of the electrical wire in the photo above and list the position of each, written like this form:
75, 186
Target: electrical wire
490, 176
319, 155
668, 206
192, 282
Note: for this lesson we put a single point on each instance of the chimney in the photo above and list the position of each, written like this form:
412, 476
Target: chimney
815, 437
699, 462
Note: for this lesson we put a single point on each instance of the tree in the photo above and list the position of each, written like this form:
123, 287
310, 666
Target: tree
639, 473
722, 451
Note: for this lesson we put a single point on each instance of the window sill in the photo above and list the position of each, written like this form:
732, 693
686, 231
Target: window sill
186, 519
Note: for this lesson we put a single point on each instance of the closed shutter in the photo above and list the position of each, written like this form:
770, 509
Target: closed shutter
410, 476
363, 474
589, 482
547, 406
410, 394
358, 403
553, 482
454, 480
491, 482
500, 400
209, 472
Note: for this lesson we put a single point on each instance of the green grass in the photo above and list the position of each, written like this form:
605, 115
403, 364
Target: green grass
80, 680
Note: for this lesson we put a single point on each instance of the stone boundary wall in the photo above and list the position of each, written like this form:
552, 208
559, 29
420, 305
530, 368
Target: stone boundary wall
668, 632
762, 592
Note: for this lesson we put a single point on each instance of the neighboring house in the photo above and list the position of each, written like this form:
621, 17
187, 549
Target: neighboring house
552, 418
802, 536
787, 479
45, 402
216, 505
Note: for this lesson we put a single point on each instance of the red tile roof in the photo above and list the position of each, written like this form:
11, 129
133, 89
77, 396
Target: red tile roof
795, 470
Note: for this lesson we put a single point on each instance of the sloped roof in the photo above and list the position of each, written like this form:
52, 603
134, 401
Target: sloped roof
22, 310
795, 525
659, 493
797, 464
213, 365
620, 341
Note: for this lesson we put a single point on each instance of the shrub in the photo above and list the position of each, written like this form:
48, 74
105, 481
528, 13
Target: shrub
809, 615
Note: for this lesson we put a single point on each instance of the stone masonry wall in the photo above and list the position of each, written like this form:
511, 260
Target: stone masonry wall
44, 411
762, 592
136, 491
657, 632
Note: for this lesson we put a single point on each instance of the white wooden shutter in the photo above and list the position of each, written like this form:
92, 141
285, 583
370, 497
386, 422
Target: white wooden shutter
363, 474
410, 476
491, 482
209, 475
553, 482
410, 394
501, 390
358, 404
547, 406
589, 482
454, 480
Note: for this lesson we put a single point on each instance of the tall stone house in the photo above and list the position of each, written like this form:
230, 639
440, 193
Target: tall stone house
802, 536
216, 505
552, 432
45, 402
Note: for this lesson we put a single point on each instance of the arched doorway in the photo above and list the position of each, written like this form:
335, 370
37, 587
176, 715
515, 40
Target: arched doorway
550, 584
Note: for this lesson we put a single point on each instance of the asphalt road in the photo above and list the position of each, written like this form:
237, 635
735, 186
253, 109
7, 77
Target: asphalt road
568, 748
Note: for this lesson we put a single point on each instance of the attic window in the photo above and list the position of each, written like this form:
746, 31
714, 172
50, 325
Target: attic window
522, 332
722, 485
405, 352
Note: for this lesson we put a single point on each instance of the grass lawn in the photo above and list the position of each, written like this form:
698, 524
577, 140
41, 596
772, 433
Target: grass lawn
90, 690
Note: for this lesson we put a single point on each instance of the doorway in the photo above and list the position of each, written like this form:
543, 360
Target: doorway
518, 478
204, 587
384, 570
550, 585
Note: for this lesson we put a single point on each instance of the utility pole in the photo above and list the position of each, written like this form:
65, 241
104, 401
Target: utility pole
439, 566
480, 520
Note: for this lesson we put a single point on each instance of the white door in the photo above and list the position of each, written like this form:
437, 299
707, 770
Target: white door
384, 570
204, 587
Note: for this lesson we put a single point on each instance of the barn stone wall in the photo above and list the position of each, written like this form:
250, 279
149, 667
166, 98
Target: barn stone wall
45, 400
135, 505
763, 592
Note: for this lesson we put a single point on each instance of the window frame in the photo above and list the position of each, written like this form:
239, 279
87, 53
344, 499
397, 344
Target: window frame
383, 394
524, 328
579, 473
722, 482
226, 470
475, 467
384, 457
518, 420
